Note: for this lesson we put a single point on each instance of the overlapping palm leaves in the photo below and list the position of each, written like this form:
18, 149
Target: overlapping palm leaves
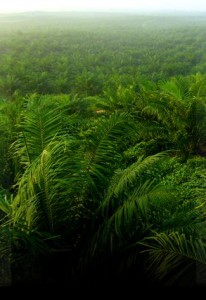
94, 185
172, 116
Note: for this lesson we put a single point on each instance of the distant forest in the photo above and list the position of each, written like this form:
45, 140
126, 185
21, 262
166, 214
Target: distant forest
102, 149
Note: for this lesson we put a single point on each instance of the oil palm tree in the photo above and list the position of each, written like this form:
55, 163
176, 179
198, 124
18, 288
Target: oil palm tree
59, 177
173, 116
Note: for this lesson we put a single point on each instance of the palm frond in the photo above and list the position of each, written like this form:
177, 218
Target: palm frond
99, 153
129, 178
39, 127
5, 204
172, 256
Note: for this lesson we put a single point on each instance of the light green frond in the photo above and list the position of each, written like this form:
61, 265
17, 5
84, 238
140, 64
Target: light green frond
127, 179
38, 129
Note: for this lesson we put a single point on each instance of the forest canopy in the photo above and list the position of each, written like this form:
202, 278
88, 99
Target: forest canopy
103, 145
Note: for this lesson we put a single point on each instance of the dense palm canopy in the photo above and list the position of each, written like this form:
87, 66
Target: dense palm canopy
105, 179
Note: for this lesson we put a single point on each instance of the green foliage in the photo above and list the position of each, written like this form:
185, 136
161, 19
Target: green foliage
187, 179
174, 255
102, 151
92, 54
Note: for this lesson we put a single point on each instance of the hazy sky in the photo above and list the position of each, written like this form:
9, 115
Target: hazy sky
59, 5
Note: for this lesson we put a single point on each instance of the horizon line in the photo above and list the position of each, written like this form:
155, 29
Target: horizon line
120, 10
